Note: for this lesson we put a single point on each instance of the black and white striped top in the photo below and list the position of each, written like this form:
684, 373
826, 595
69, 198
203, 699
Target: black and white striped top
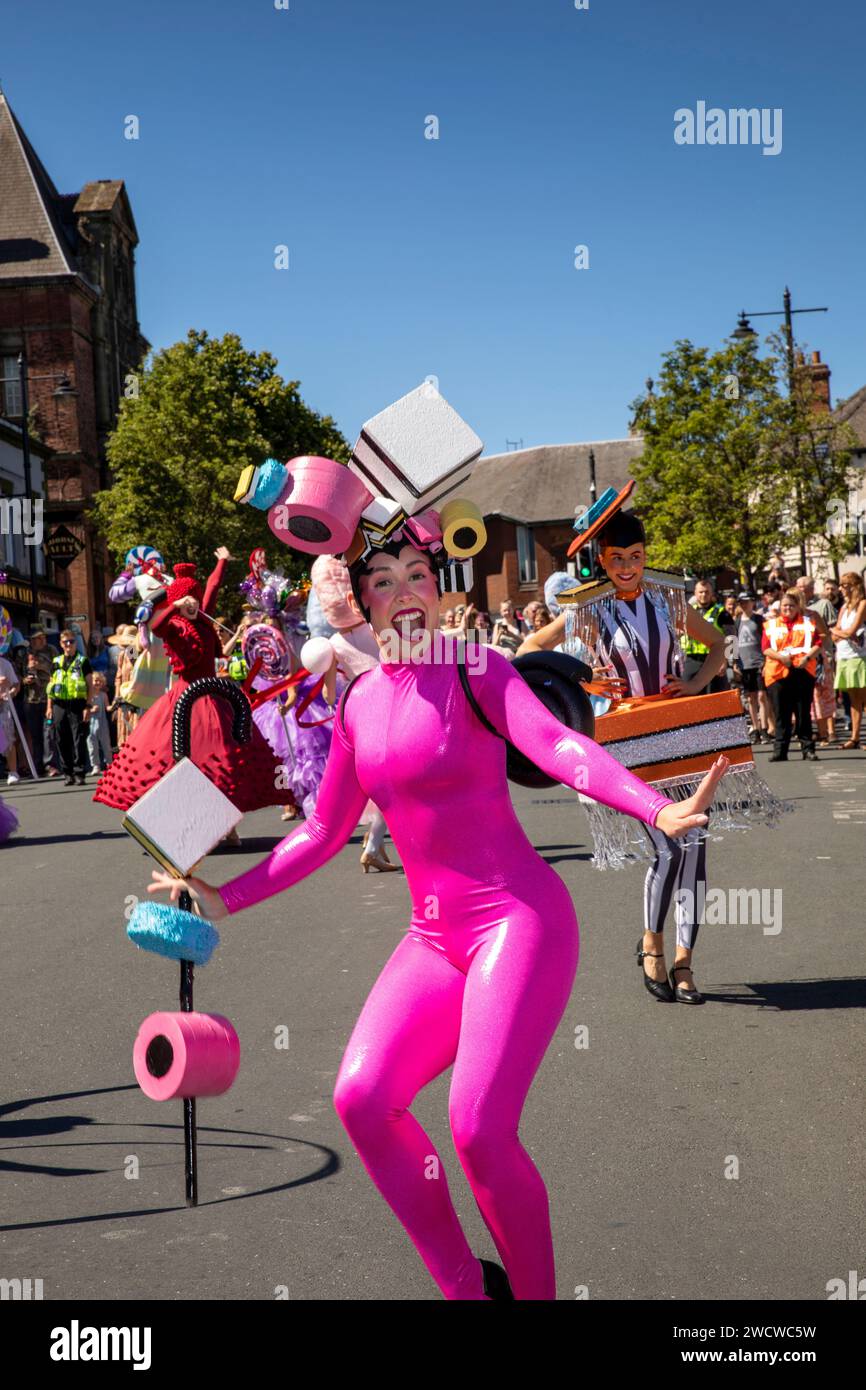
639, 643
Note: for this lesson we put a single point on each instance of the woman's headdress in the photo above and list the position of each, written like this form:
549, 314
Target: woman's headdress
185, 583
396, 489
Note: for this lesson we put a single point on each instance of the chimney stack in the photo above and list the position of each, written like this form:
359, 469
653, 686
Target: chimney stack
819, 379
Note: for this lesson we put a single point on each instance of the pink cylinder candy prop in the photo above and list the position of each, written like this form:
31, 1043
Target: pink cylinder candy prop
186, 1055
320, 510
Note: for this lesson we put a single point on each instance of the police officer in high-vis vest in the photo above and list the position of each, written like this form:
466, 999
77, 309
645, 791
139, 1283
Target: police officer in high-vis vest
237, 667
695, 652
68, 692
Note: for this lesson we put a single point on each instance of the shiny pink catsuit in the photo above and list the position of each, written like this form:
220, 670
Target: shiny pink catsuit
484, 972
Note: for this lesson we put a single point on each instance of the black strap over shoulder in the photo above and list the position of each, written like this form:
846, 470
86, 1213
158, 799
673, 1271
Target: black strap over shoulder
467, 687
555, 679
344, 697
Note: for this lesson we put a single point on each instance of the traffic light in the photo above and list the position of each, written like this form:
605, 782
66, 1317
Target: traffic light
585, 563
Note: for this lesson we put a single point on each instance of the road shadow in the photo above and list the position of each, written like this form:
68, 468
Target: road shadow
20, 840
553, 854
790, 995
31, 1127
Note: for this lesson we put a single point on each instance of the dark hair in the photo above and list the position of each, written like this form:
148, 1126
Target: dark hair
624, 529
361, 567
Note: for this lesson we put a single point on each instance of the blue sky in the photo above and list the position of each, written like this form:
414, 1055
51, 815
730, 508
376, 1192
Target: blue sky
454, 257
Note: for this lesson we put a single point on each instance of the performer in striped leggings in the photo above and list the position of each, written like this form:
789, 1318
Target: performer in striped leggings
632, 635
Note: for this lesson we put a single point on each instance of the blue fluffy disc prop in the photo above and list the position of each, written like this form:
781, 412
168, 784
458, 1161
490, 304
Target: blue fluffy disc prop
171, 932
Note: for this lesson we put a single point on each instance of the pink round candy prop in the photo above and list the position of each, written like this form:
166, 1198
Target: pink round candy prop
185, 1055
319, 513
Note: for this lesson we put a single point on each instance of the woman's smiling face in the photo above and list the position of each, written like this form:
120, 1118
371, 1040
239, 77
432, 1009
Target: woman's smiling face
624, 564
401, 593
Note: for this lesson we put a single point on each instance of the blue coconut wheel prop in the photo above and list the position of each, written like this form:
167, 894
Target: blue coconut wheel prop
169, 931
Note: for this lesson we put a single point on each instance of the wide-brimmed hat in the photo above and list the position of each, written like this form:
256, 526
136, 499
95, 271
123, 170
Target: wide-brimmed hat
127, 633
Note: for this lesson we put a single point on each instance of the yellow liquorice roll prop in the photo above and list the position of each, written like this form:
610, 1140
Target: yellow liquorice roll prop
671, 743
463, 529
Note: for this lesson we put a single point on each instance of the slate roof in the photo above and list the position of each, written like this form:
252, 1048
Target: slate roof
853, 412
37, 233
38, 229
550, 482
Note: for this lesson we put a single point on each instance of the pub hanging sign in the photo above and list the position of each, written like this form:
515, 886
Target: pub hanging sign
62, 547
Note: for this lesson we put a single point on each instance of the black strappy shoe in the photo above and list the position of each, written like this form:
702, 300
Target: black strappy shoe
659, 989
496, 1285
685, 996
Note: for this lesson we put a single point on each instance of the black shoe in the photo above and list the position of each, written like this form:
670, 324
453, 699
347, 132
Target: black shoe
811, 757
80, 780
659, 989
69, 781
684, 996
496, 1285
778, 758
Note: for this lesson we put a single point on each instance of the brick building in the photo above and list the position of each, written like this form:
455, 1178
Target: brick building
67, 298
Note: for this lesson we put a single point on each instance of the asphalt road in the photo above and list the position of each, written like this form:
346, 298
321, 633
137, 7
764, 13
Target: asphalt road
637, 1134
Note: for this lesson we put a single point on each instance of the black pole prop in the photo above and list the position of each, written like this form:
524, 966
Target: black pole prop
181, 731
190, 1148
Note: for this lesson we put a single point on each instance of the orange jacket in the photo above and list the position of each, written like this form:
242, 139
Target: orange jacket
787, 638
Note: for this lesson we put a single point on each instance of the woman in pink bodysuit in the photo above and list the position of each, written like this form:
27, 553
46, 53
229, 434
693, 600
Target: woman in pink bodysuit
484, 972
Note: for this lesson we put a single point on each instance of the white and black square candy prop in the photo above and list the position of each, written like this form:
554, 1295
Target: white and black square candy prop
161, 822
417, 451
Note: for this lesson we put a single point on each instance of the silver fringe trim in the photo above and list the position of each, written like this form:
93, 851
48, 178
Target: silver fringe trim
583, 619
742, 801
670, 598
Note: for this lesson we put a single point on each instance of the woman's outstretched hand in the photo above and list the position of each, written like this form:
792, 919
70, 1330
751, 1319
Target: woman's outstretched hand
682, 816
206, 900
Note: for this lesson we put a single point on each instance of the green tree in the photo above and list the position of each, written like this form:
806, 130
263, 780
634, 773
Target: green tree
733, 467
205, 409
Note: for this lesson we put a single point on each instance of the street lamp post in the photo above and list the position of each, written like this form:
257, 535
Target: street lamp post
28, 484
745, 330
63, 391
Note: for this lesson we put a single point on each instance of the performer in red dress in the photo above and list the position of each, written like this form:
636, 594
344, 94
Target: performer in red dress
248, 774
